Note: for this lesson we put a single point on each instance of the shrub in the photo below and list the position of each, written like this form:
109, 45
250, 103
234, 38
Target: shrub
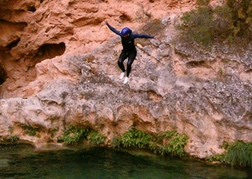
242, 17
13, 139
239, 154
230, 22
196, 26
236, 154
73, 135
176, 143
31, 131
76, 134
135, 138
174, 146
217, 157
96, 137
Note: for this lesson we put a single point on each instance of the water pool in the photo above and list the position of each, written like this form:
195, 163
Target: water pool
22, 162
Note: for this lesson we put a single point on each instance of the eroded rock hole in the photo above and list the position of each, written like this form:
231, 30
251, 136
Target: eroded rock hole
13, 43
194, 64
3, 75
48, 51
31, 8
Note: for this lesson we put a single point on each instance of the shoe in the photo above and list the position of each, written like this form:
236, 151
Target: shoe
126, 80
122, 75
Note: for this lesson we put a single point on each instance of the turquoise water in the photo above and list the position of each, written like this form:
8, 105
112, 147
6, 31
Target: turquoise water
19, 162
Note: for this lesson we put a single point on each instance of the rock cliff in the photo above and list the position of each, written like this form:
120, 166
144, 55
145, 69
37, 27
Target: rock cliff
58, 66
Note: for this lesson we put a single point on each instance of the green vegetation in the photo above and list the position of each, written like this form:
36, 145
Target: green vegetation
96, 138
170, 142
217, 157
31, 131
13, 139
75, 134
239, 154
176, 143
135, 138
242, 17
54, 131
236, 154
231, 22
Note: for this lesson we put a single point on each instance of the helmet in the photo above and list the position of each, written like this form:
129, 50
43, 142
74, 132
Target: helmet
126, 31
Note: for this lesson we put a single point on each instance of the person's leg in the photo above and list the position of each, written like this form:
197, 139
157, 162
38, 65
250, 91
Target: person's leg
121, 59
131, 59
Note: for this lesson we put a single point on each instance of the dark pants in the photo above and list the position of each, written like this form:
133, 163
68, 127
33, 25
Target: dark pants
131, 57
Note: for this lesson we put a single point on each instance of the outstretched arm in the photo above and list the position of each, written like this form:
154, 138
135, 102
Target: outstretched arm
113, 29
142, 36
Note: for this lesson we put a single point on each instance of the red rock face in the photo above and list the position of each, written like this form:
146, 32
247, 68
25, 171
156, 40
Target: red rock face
33, 31
58, 66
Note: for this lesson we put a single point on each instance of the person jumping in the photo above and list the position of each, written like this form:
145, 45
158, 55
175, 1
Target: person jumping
129, 50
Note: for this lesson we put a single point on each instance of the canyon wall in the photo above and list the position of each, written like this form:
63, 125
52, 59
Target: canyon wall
58, 66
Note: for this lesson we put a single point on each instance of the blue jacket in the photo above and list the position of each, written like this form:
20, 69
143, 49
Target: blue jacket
129, 42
